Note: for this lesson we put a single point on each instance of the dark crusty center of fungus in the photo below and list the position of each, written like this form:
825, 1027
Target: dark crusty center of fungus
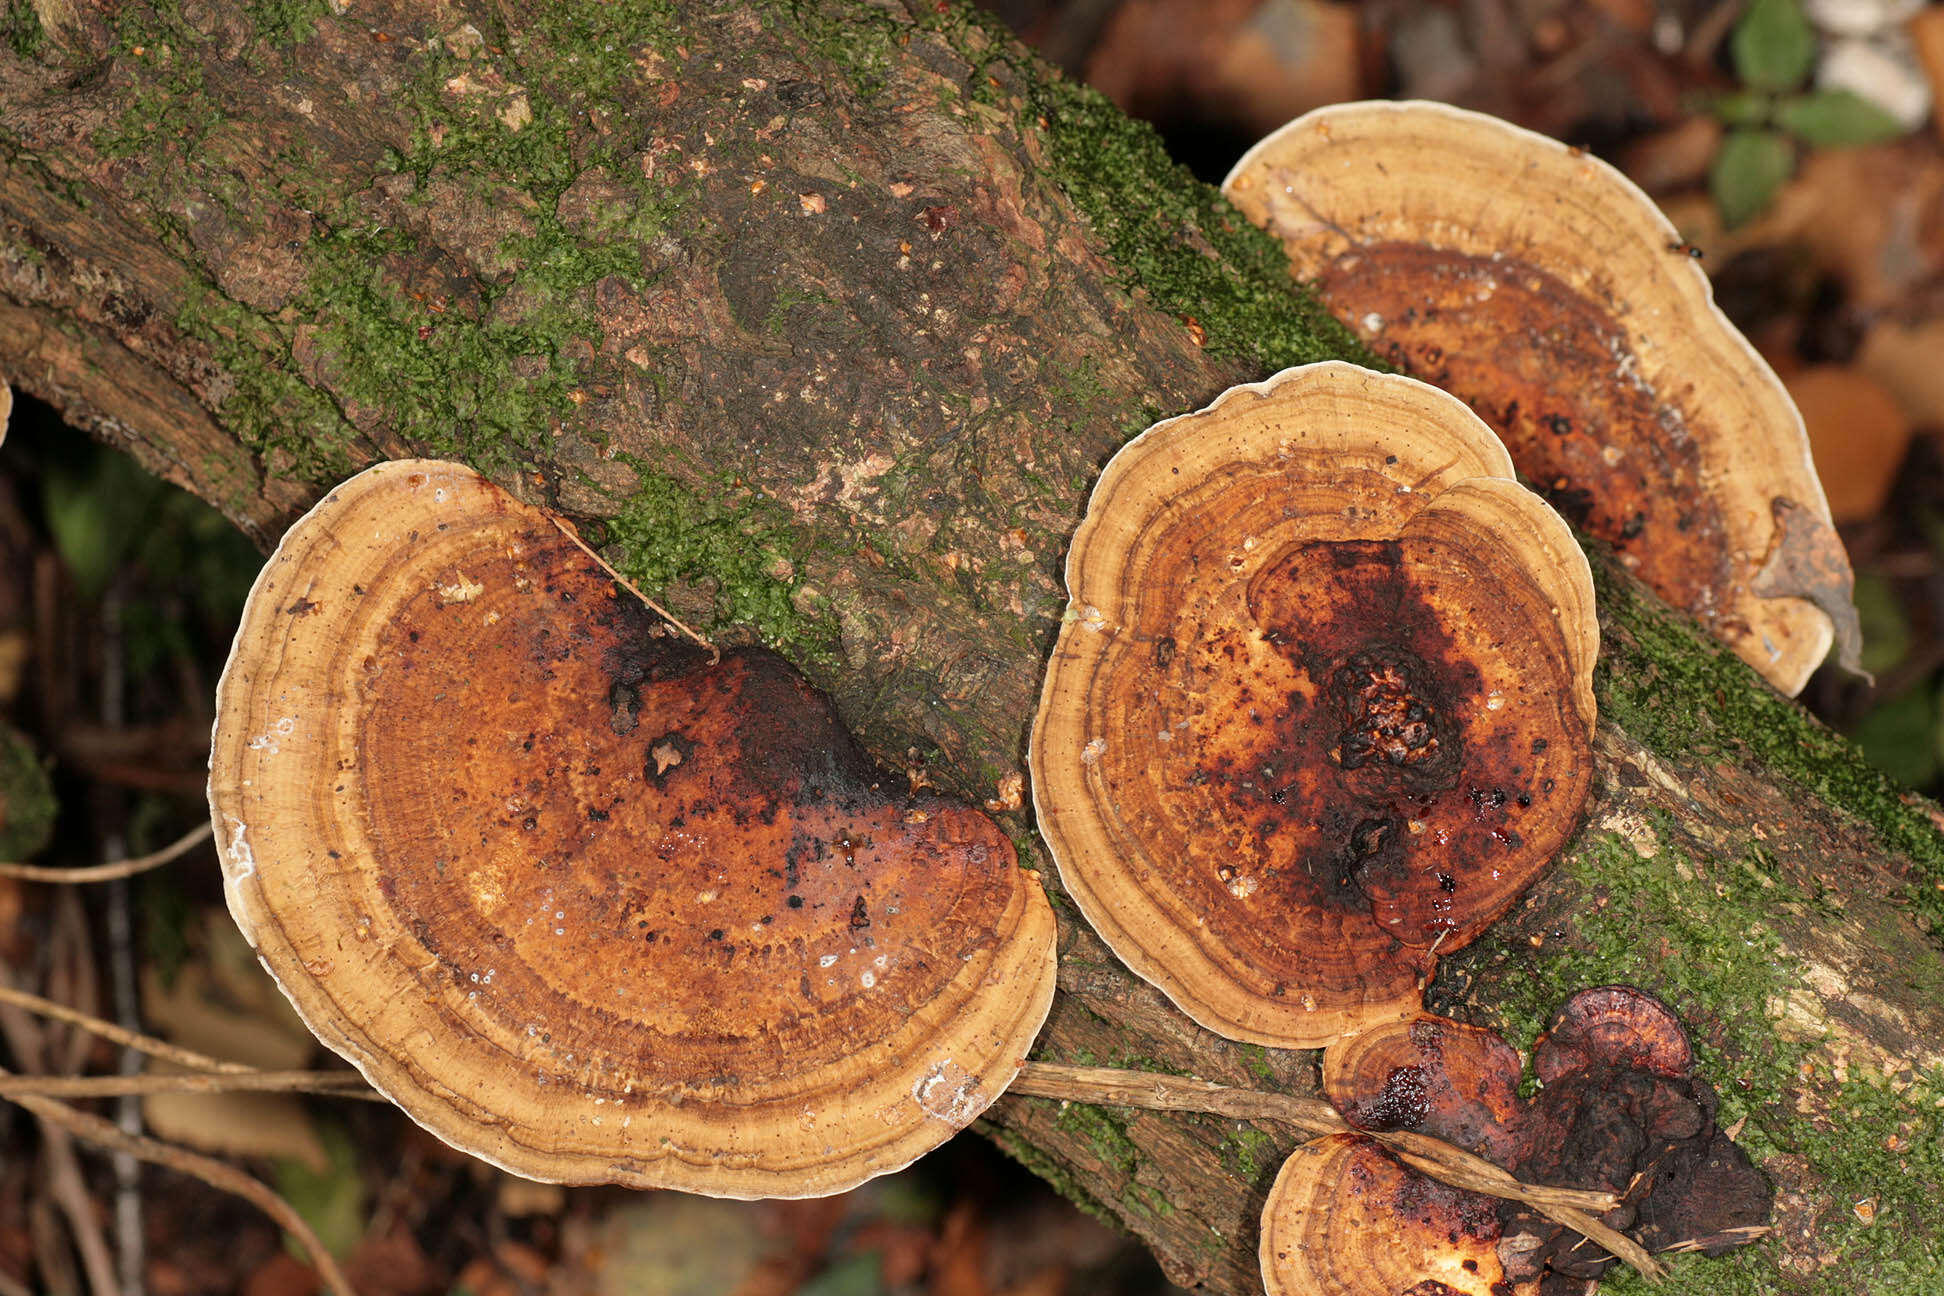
1545, 367
1387, 716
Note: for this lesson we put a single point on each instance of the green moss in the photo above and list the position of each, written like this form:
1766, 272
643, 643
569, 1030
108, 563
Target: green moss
27, 804
1178, 240
1049, 1171
1104, 1131
1687, 694
268, 407
170, 107
591, 49
1256, 1058
1249, 1152
1717, 964
1143, 1200
20, 29
283, 23
670, 535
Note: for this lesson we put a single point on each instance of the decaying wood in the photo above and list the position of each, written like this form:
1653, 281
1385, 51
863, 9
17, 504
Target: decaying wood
823, 317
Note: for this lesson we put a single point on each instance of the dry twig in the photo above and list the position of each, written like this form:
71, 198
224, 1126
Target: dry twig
120, 1034
106, 1134
567, 529
334, 1084
114, 869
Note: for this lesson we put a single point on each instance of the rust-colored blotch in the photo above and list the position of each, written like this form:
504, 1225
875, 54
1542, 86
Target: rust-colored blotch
1322, 704
583, 902
1432, 1075
1541, 286
1346, 1218
1616, 1026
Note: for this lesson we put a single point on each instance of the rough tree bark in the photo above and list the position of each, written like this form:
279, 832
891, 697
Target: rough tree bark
823, 316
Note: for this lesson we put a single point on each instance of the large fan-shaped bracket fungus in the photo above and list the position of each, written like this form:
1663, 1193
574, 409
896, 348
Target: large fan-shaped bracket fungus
1546, 290
582, 901
1322, 704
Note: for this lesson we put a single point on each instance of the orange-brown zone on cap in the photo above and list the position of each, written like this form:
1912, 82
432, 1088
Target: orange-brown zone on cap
1614, 1026
1381, 755
1453, 1081
1543, 366
584, 902
1345, 1218
702, 846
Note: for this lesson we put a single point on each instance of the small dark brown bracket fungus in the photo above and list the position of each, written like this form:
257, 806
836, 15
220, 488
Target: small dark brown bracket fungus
584, 902
1534, 281
1621, 1111
1322, 704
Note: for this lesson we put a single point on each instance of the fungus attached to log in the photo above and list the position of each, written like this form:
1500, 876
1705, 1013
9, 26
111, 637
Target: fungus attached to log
1537, 283
1432, 1075
1621, 1111
1322, 704
584, 902
1346, 1218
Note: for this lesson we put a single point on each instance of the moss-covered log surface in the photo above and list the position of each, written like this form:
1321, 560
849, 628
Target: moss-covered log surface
822, 317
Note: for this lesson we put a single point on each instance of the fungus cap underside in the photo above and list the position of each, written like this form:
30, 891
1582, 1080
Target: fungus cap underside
583, 903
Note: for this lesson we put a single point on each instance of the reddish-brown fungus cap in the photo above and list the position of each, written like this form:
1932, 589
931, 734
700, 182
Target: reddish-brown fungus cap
1433, 1075
1345, 1218
1541, 286
582, 902
1322, 703
1615, 1026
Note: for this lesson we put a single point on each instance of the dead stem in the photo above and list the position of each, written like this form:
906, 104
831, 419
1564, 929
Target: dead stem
1434, 1157
114, 869
105, 1134
121, 1035
567, 529
334, 1084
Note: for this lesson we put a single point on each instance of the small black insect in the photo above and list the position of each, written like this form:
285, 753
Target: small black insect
1686, 249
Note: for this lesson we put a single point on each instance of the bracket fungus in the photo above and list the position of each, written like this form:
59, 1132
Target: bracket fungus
1322, 703
1621, 1111
1545, 289
583, 901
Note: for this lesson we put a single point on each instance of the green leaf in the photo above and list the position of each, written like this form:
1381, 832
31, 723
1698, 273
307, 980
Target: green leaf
1747, 171
1743, 108
1886, 632
1773, 45
1835, 118
332, 1203
858, 1275
1898, 737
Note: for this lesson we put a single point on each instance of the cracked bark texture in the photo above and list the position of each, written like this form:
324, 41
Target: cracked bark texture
819, 316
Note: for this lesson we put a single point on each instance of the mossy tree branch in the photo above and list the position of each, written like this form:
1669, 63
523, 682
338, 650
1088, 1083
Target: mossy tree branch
822, 317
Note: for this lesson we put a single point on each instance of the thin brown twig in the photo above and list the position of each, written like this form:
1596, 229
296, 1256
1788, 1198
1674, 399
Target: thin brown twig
115, 868
335, 1084
106, 1134
1453, 1165
121, 1035
567, 529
